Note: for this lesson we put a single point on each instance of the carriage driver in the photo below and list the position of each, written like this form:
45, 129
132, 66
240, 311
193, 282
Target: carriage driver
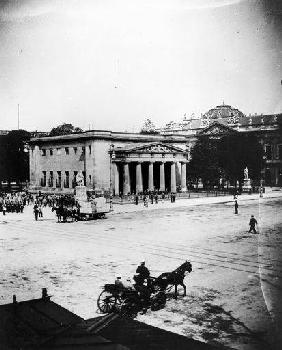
143, 272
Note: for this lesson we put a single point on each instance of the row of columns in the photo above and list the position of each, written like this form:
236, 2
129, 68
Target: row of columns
139, 177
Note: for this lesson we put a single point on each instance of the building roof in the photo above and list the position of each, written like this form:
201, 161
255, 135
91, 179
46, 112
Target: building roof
43, 324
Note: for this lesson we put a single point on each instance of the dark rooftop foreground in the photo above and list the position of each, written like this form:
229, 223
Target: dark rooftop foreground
43, 324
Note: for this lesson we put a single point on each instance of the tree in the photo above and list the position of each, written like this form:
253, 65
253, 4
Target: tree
64, 129
148, 127
15, 156
238, 151
212, 159
204, 162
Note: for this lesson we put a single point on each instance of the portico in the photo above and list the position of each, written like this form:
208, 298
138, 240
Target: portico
156, 166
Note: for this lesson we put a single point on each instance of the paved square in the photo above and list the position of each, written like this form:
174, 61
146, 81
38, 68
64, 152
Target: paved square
231, 293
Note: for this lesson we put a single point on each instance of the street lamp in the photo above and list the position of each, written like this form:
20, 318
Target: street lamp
112, 156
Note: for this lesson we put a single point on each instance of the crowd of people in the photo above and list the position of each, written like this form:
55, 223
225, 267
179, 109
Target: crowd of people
14, 202
153, 197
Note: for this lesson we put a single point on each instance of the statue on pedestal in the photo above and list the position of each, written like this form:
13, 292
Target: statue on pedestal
79, 179
246, 173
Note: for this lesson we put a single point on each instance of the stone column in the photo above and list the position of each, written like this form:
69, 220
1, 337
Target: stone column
126, 179
151, 177
162, 177
139, 180
116, 179
172, 178
36, 169
183, 177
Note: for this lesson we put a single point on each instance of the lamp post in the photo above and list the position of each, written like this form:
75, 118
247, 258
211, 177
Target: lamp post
112, 156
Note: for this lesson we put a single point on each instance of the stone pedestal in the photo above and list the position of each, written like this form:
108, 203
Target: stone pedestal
80, 193
247, 185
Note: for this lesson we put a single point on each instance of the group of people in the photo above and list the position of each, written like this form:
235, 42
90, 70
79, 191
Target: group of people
13, 202
153, 197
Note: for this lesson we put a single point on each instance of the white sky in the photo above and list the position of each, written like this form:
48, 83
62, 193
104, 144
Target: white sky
112, 63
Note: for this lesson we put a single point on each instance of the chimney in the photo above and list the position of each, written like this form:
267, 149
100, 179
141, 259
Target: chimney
44, 293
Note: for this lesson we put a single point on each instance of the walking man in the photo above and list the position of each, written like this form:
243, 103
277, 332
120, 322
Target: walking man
236, 206
253, 223
36, 211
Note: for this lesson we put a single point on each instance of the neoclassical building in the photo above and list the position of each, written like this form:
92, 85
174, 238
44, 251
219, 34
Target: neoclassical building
134, 162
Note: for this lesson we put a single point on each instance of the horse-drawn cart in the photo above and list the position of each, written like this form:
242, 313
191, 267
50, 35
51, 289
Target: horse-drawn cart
92, 205
95, 208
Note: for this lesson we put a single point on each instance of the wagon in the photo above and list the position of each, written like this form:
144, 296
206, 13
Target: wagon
128, 301
94, 209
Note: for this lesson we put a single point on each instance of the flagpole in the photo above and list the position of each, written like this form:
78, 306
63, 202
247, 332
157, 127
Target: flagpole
18, 116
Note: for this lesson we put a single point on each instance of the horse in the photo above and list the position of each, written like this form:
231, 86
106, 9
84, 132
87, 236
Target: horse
173, 278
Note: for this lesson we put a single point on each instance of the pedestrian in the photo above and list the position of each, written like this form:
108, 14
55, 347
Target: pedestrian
4, 209
136, 199
236, 206
156, 198
253, 222
40, 213
145, 201
35, 211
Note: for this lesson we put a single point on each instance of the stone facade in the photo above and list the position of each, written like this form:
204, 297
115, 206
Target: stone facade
110, 161
130, 162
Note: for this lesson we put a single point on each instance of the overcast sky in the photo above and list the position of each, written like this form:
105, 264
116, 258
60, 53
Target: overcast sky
110, 64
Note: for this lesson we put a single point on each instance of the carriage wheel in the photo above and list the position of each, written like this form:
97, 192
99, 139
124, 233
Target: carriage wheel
158, 301
106, 302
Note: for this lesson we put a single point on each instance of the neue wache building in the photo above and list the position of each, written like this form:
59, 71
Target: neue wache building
134, 162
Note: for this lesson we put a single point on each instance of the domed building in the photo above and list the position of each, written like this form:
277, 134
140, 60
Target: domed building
224, 114
224, 119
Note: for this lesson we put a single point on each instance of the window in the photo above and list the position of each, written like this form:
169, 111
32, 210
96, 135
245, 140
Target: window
67, 179
51, 179
43, 179
58, 151
268, 152
75, 150
43, 152
67, 150
51, 152
279, 151
74, 178
59, 179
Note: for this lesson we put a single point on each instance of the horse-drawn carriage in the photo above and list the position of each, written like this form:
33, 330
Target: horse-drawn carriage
129, 301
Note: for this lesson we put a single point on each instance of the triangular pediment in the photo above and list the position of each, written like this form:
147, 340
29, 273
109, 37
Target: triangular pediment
155, 147
215, 129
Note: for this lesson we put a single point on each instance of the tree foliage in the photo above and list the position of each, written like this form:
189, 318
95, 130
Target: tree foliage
212, 159
14, 156
239, 151
148, 127
204, 162
64, 129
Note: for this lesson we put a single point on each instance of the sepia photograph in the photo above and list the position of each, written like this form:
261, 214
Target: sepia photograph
141, 174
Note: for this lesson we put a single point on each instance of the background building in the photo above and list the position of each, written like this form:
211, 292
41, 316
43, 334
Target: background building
134, 162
